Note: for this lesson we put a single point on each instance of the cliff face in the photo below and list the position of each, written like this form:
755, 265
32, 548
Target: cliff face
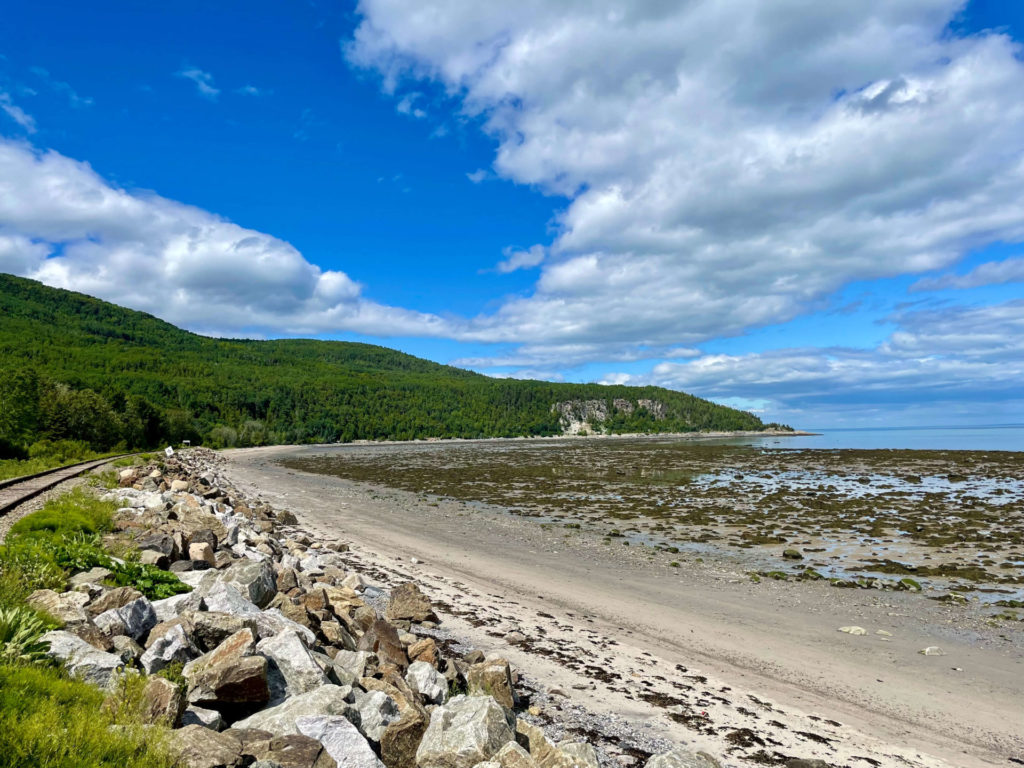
576, 416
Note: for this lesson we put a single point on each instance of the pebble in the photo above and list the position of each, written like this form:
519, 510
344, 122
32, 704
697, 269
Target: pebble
852, 630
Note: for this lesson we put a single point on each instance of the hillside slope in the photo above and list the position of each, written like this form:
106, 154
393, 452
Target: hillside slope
80, 368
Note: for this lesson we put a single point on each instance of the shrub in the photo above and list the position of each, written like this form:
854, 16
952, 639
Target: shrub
74, 512
20, 630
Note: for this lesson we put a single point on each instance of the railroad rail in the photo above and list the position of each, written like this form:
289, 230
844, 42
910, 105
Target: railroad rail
20, 489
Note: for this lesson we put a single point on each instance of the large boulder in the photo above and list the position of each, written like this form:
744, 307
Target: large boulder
211, 628
401, 739
325, 700
292, 669
114, 598
173, 607
513, 756
465, 731
579, 754
492, 678
427, 682
66, 607
341, 740
133, 619
162, 702
256, 581
234, 686
83, 660
382, 639
227, 598
173, 646
297, 751
408, 602
679, 758
197, 747
375, 711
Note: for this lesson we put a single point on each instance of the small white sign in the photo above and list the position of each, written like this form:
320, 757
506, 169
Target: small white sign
168, 451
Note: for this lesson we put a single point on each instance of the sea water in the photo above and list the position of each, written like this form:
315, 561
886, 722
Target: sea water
1000, 437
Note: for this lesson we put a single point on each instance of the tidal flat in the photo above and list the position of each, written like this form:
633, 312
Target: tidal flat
947, 523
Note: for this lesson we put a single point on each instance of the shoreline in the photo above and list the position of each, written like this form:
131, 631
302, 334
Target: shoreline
765, 643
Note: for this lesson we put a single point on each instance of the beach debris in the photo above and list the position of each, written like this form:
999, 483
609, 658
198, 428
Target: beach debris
853, 630
932, 650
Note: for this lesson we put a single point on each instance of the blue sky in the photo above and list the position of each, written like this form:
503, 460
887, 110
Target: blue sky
813, 213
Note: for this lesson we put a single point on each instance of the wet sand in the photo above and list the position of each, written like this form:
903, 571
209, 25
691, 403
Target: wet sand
696, 654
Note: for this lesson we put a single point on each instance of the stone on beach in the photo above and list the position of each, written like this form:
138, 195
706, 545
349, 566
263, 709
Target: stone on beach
465, 731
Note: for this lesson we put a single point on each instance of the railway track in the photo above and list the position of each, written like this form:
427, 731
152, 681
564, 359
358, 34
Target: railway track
20, 489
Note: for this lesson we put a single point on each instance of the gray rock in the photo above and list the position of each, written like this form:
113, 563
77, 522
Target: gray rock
199, 747
82, 660
173, 607
92, 576
326, 700
341, 739
354, 661
133, 619
375, 711
66, 607
226, 598
292, 669
679, 758
126, 648
211, 628
580, 754
465, 731
272, 622
173, 646
427, 682
256, 581
208, 718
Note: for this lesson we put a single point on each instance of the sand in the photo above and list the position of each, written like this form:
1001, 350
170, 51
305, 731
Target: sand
696, 655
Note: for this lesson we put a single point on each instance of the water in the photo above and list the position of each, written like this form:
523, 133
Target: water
1000, 437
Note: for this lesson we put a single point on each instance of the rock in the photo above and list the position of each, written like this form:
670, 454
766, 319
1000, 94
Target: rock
133, 619
424, 649
427, 682
234, 687
298, 751
465, 731
541, 750
401, 739
792, 554
353, 581
162, 543
376, 711
354, 661
114, 598
272, 622
83, 660
126, 648
492, 678
580, 754
155, 559
172, 607
340, 739
202, 551
199, 747
225, 598
382, 639
159, 630
513, 756
932, 650
681, 759
515, 638
207, 718
92, 576
177, 486
474, 657
292, 669
284, 517
325, 700
803, 762
254, 580
211, 628
853, 630
335, 634
408, 602
173, 646
66, 607
162, 702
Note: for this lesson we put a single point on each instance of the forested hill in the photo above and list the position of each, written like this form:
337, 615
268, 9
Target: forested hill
75, 367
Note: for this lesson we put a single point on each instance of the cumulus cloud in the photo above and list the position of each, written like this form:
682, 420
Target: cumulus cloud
990, 273
63, 224
951, 356
203, 81
728, 163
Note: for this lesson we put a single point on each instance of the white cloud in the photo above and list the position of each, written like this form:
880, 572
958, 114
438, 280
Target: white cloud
16, 113
64, 89
250, 90
407, 106
942, 359
63, 224
515, 259
728, 163
203, 81
562, 356
477, 176
990, 273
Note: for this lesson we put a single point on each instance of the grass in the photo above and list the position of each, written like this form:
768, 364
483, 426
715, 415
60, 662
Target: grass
50, 721
50, 455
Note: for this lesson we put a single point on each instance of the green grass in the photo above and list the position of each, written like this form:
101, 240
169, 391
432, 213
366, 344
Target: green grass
49, 455
50, 721
74, 512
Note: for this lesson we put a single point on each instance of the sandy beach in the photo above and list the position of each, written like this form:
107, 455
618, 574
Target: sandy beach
696, 655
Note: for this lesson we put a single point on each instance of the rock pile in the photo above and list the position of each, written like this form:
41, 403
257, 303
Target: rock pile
279, 656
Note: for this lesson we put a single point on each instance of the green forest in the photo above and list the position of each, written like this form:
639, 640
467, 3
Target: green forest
79, 369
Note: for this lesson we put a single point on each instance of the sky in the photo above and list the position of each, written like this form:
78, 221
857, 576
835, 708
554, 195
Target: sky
814, 211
